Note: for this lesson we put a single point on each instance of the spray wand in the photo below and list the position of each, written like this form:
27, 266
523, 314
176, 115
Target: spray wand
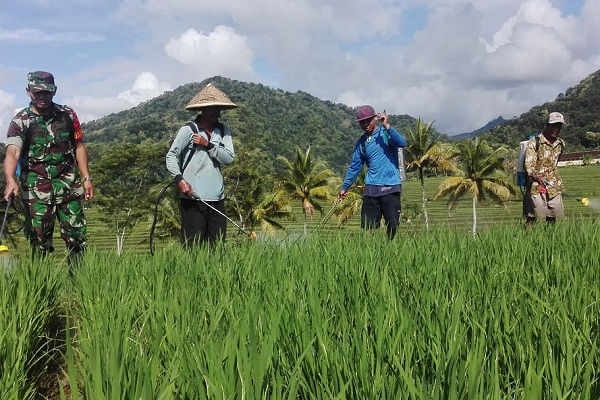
584, 201
4, 248
251, 235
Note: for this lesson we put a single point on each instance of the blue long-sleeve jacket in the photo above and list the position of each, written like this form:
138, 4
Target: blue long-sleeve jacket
379, 152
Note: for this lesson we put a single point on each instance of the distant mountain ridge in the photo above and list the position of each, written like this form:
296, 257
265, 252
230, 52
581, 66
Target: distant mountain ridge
579, 104
274, 121
470, 135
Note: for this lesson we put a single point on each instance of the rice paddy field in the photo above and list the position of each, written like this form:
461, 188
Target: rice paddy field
580, 182
340, 314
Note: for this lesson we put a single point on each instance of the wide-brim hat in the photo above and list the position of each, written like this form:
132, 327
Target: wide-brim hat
210, 96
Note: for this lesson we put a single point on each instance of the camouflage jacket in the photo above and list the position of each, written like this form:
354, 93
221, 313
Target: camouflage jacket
49, 168
541, 163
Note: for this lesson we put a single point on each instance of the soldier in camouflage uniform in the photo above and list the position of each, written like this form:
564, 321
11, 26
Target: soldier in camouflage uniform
543, 197
46, 139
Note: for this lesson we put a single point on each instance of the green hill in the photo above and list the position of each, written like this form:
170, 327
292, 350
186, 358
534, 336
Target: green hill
272, 120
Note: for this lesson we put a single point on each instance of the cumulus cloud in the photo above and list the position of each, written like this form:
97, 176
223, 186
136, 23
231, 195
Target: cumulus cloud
452, 74
89, 108
146, 86
458, 62
221, 52
536, 13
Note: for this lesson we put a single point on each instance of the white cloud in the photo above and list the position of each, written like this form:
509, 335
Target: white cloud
89, 108
146, 86
448, 74
468, 62
37, 36
221, 52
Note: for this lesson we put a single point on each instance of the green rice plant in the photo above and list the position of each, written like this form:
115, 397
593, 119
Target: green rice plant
436, 315
29, 300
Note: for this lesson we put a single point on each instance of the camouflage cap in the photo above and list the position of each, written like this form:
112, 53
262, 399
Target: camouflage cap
39, 81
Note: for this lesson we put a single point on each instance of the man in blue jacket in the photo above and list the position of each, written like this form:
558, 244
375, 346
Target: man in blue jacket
378, 148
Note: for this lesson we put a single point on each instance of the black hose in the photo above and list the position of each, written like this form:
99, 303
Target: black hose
8, 204
160, 196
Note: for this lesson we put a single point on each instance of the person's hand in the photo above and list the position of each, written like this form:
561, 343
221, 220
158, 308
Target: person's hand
541, 181
11, 189
88, 188
185, 188
383, 119
200, 140
341, 195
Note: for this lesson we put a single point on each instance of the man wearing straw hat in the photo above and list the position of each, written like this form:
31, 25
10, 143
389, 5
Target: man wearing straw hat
194, 160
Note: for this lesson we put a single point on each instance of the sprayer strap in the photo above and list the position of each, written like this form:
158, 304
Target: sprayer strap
194, 129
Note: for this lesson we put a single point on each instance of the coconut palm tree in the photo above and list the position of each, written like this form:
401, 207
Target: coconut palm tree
271, 208
481, 175
425, 152
304, 180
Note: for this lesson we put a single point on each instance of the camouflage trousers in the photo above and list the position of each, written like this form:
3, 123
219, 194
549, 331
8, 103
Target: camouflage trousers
39, 224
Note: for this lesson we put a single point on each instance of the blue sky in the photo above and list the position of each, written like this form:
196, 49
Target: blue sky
460, 63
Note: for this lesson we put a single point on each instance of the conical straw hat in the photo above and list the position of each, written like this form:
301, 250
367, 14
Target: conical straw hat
210, 96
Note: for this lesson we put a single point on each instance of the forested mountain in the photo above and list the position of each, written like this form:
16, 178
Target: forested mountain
581, 107
270, 120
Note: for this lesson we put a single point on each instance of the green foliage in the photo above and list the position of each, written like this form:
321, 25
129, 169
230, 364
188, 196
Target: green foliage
29, 300
245, 185
507, 315
304, 180
125, 175
481, 176
424, 152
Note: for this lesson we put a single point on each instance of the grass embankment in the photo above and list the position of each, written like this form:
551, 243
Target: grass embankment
437, 315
